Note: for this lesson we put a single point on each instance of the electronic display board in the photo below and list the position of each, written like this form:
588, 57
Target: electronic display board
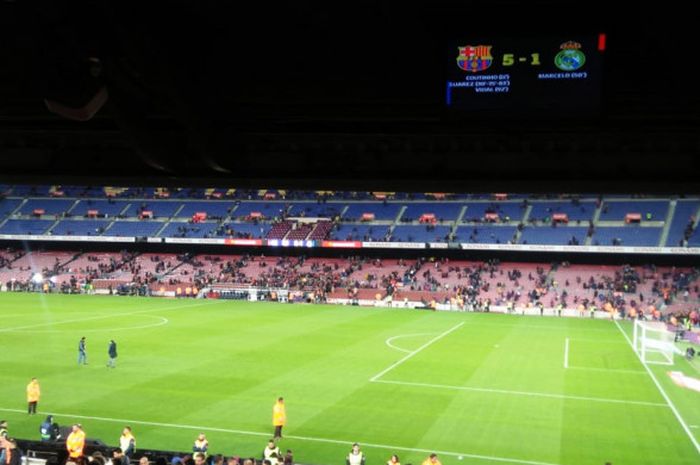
526, 76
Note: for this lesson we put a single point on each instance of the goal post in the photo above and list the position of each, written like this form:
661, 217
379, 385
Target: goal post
654, 343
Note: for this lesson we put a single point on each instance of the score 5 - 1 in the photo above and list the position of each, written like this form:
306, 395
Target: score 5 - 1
510, 59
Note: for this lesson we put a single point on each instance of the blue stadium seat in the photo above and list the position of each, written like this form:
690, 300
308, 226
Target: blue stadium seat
444, 211
257, 231
485, 234
134, 228
36, 227
50, 206
547, 235
215, 208
360, 232
419, 233
111, 208
185, 229
160, 208
617, 209
268, 209
7, 206
79, 228
685, 209
316, 210
476, 211
381, 211
632, 235
582, 212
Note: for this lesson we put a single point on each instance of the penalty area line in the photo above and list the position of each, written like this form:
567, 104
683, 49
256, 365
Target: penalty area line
411, 354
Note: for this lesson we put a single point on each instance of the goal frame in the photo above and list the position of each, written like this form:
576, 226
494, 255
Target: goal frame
646, 345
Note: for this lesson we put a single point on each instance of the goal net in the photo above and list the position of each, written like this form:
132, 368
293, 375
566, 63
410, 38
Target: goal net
654, 343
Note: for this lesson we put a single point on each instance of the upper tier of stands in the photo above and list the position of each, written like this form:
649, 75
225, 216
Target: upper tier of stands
218, 212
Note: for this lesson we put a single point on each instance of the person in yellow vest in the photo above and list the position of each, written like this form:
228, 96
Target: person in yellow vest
432, 460
75, 443
279, 417
33, 394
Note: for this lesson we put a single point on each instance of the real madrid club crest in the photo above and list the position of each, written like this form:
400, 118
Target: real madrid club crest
570, 58
474, 58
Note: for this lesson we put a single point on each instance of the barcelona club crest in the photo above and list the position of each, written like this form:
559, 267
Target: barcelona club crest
570, 58
474, 58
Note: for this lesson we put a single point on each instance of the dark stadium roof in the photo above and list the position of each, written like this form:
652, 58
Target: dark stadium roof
333, 94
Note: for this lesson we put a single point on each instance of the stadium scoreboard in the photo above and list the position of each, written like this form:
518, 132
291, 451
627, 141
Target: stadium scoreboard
526, 76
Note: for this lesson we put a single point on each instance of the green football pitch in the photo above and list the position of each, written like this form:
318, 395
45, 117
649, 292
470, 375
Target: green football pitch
480, 389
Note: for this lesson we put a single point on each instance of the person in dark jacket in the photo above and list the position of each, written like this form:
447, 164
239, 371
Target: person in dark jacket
49, 430
112, 353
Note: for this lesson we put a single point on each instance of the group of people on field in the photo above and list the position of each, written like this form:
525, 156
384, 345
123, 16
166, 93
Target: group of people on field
75, 441
111, 352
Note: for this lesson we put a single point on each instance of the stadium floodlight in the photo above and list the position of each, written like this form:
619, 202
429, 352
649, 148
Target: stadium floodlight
37, 278
654, 343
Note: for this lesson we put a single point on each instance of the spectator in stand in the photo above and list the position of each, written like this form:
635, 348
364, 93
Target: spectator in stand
394, 460
11, 453
201, 445
432, 460
355, 456
127, 443
118, 457
271, 452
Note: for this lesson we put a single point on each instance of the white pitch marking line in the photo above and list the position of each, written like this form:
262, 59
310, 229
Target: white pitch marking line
611, 370
661, 390
162, 322
526, 393
693, 426
566, 353
102, 317
301, 438
388, 341
411, 354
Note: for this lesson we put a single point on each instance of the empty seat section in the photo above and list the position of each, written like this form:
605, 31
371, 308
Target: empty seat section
26, 226
477, 211
268, 209
316, 210
380, 211
184, 229
360, 232
79, 228
583, 211
616, 210
442, 211
420, 233
484, 234
548, 235
133, 228
214, 208
627, 236
50, 206
110, 208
